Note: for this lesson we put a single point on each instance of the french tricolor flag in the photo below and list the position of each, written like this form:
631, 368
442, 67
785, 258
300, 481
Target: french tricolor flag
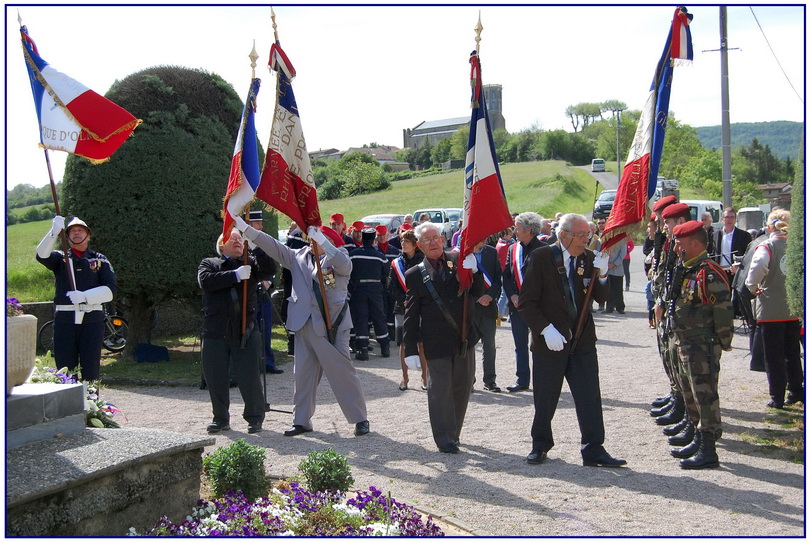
73, 118
286, 181
640, 174
244, 177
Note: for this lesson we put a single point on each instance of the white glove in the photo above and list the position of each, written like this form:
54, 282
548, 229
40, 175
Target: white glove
600, 261
57, 225
239, 223
470, 263
315, 233
77, 297
554, 339
242, 272
413, 362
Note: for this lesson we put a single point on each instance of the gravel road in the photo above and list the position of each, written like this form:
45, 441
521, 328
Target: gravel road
490, 490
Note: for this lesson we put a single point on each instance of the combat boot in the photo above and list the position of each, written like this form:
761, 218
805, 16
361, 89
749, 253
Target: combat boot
673, 415
675, 429
685, 437
689, 450
385, 350
663, 410
362, 354
661, 401
706, 457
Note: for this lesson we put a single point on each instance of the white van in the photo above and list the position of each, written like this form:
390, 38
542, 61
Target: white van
598, 165
698, 207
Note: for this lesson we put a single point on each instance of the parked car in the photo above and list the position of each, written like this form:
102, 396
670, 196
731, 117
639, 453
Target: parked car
391, 220
454, 213
439, 216
598, 165
603, 204
698, 207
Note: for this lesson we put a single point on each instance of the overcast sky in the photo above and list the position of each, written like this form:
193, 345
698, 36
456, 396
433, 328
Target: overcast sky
366, 73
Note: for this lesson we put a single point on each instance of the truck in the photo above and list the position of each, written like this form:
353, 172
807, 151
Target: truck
753, 218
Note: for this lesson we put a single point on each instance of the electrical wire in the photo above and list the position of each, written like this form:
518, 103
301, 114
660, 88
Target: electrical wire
774, 55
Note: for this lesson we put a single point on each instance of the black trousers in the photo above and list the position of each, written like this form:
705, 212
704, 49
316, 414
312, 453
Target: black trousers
581, 370
616, 299
450, 382
218, 355
486, 328
783, 361
367, 304
79, 345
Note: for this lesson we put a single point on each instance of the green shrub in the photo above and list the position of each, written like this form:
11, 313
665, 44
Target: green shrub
326, 470
239, 466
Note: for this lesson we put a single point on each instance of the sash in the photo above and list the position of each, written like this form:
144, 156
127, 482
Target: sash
487, 278
399, 271
517, 258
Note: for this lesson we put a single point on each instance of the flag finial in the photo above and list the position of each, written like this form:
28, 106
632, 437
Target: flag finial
275, 28
478, 29
19, 18
254, 56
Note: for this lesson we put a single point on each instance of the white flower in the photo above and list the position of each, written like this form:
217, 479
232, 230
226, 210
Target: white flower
382, 529
349, 509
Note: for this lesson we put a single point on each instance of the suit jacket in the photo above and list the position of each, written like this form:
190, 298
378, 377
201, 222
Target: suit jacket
509, 283
490, 264
542, 301
424, 320
739, 242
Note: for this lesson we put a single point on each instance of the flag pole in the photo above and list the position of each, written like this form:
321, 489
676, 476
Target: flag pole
62, 235
245, 253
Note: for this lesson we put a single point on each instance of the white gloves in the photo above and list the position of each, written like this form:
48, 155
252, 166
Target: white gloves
600, 261
77, 297
239, 223
315, 233
57, 225
554, 339
413, 362
470, 263
242, 272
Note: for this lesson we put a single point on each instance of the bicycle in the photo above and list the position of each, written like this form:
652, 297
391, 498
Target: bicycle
116, 330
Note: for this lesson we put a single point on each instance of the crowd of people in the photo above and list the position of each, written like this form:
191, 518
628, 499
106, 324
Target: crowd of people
342, 282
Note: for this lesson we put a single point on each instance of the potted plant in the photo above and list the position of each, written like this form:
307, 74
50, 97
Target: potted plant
21, 344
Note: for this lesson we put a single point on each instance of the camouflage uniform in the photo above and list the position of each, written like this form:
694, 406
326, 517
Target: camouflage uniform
664, 259
700, 320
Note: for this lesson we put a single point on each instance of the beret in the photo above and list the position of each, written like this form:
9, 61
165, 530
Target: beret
381, 230
358, 225
675, 210
405, 226
664, 202
336, 217
334, 237
687, 229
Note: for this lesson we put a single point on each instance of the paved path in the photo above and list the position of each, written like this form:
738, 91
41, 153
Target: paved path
490, 489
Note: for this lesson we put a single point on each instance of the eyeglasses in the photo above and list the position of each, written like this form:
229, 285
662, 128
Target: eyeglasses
579, 235
428, 241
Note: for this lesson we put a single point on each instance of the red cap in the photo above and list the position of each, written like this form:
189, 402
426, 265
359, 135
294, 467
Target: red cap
675, 210
687, 229
405, 226
664, 202
334, 237
358, 225
381, 230
336, 217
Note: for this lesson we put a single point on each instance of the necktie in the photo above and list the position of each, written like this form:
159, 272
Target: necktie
571, 273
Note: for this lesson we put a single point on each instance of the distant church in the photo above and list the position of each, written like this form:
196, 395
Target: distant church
435, 131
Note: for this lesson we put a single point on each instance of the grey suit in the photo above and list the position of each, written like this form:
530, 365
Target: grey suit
314, 354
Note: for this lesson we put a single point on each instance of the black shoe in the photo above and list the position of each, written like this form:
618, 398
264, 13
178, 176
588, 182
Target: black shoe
620, 311
450, 448
536, 457
673, 415
275, 371
362, 354
689, 450
361, 428
215, 427
663, 410
203, 384
791, 399
296, 429
492, 387
661, 401
706, 456
776, 405
385, 351
517, 387
605, 460
684, 437
676, 429
255, 428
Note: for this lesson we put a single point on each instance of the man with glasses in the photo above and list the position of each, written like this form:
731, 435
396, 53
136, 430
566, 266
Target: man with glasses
730, 241
552, 297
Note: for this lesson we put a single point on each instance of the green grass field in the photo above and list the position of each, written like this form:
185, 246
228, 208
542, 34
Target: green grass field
27, 279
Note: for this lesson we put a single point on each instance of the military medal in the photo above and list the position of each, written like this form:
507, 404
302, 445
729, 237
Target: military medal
581, 270
329, 278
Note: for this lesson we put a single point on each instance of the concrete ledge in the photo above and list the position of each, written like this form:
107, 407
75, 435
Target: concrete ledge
72, 424
35, 403
101, 481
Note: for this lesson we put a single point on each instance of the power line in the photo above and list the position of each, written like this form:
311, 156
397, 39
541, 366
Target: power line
774, 55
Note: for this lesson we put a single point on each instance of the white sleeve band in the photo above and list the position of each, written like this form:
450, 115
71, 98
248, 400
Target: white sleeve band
45, 247
98, 295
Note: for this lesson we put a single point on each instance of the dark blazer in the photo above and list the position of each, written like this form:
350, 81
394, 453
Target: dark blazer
492, 266
739, 241
424, 320
542, 301
509, 284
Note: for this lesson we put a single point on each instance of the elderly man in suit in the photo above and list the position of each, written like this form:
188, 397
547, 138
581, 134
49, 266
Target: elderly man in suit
317, 351
553, 295
434, 315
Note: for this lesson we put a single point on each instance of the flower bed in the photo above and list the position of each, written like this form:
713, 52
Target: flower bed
290, 510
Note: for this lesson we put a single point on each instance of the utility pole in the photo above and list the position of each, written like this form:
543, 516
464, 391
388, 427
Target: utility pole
725, 121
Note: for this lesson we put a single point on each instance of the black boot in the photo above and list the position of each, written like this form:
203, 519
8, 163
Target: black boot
675, 429
663, 410
385, 350
362, 354
685, 437
689, 450
673, 415
291, 344
706, 457
661, 401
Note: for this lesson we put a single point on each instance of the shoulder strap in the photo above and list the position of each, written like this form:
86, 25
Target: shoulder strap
435, 295
558, 261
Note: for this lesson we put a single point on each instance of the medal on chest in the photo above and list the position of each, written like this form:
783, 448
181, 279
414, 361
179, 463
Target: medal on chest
329, 277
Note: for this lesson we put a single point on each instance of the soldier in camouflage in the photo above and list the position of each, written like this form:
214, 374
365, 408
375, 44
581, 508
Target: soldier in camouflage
700, 320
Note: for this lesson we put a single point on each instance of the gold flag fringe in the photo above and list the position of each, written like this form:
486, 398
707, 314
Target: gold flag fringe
628, 230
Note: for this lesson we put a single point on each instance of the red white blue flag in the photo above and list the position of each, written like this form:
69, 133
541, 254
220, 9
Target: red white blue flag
485, 208
244, 177
73, 118
286, 181
640, 174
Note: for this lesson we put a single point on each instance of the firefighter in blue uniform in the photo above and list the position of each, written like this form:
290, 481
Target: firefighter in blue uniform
78, 329
369, 274
265, 304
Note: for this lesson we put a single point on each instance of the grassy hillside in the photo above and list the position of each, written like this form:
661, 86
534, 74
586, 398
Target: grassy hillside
27, 279
783, 137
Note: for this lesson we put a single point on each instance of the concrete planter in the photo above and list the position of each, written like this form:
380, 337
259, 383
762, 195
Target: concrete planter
21, 347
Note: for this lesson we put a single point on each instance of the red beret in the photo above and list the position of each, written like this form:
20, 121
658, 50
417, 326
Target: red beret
687, 229
358, 225
336, 217
675, 210
334, 237
381, 230
664, 202
405, 226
